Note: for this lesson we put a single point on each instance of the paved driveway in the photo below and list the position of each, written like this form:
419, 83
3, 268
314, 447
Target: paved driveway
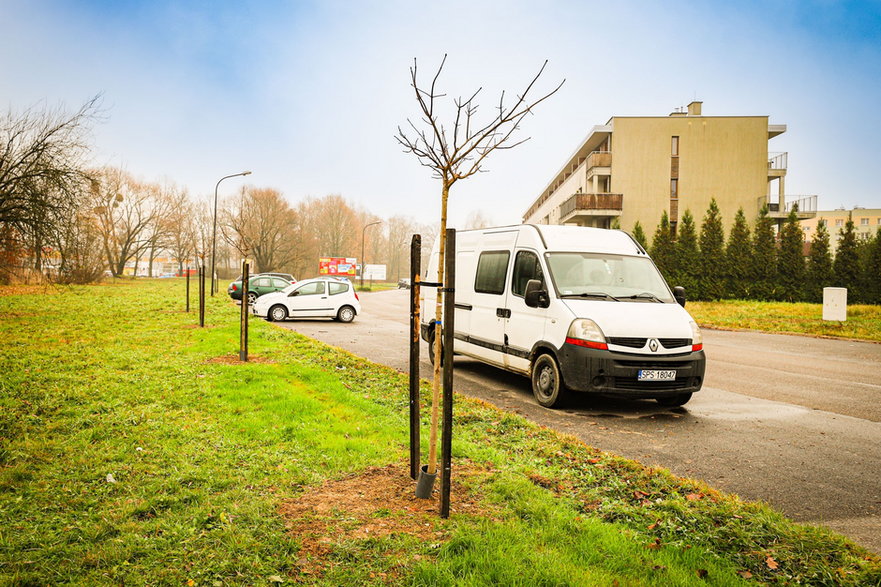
793, 421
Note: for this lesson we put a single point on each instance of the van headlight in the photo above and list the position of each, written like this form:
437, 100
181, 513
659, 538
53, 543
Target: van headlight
697, 339
585, 332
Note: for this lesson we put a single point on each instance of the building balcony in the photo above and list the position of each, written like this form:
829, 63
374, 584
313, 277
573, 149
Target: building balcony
777, 164
582, 206
599, 159
807, 206
599, 163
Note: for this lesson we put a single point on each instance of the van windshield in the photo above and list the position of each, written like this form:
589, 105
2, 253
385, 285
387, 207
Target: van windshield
608, 277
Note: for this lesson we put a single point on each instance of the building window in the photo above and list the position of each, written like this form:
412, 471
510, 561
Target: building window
807, 229
675, 146
839, 222
864, 222
674, 188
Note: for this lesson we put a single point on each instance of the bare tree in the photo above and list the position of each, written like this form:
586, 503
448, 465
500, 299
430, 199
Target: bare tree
400, 229
454, 152
181, 227
42, 156
261, 224
477, 219
159, 230
78, 243
338, 228
125, 210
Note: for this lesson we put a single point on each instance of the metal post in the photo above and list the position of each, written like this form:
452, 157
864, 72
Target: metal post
448, 331
188, 288
243, 336
415, 270
202, 293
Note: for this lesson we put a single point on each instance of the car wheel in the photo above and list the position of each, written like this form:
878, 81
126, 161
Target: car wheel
547, 385
674, 401
277, 313
346, 314
252, 297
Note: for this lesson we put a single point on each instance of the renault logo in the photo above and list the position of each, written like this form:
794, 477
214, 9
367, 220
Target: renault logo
653, 345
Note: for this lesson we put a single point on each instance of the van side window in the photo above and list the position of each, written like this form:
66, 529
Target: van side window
492, 267
526, 267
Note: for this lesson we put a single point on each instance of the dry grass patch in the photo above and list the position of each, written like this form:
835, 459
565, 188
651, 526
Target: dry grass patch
377, 503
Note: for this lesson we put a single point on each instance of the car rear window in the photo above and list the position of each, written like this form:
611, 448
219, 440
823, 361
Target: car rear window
338, 288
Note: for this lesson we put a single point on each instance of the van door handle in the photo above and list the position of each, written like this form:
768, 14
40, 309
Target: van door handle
503, 312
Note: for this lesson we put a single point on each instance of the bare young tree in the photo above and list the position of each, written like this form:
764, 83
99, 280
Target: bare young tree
453, 152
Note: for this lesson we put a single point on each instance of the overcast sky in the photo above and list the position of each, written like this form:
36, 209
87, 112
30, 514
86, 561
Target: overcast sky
308, 94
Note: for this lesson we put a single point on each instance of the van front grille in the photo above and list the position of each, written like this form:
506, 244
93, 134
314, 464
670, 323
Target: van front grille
672, 343
632, 384
649, 364
634, 343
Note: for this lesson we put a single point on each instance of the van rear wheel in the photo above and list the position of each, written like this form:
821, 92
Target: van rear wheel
431, 349
547, 385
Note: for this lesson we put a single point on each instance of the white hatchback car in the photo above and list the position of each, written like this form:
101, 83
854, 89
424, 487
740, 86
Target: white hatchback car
310, 298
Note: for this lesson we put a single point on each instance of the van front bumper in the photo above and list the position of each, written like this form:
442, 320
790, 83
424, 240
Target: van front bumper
603, 371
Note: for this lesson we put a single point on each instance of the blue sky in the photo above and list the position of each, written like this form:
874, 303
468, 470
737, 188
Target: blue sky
308, 95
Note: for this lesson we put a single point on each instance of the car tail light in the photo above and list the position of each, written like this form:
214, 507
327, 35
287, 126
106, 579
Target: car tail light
356, 296
234, 288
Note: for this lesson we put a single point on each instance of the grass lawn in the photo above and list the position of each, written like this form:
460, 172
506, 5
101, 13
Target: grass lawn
135, 448
863, 322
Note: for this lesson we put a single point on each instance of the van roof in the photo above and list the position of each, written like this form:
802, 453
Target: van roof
582, 238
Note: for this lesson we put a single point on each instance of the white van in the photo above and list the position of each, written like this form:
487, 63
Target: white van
573, 308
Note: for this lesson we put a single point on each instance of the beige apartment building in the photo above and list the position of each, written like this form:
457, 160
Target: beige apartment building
635, 167
866, 223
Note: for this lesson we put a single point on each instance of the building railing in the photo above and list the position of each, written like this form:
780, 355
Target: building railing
599, 159
592, 202
778, 160
805, 203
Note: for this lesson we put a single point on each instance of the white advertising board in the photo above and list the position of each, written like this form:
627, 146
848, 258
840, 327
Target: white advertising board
374, 272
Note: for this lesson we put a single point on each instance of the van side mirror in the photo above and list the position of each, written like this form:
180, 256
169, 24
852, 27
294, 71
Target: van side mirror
535, 296
679, 295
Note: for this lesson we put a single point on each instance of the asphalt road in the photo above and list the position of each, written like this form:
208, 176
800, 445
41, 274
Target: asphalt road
792, 421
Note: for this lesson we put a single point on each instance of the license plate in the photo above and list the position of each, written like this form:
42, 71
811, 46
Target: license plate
656, 375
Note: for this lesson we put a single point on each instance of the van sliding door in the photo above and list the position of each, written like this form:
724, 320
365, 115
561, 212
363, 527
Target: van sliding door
484, 337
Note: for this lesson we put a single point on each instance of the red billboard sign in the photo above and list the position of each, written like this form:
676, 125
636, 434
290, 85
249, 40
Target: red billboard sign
337, 266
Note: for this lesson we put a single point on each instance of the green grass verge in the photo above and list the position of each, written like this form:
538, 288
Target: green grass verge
863, 322
128, 456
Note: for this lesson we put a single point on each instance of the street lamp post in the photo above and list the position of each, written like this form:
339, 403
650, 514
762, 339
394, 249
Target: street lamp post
363, 264
214, 228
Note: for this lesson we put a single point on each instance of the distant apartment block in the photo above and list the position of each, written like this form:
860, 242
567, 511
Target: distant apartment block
866, 222
635, 167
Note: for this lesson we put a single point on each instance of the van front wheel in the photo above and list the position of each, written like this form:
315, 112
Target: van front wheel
674, 401
547, 385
